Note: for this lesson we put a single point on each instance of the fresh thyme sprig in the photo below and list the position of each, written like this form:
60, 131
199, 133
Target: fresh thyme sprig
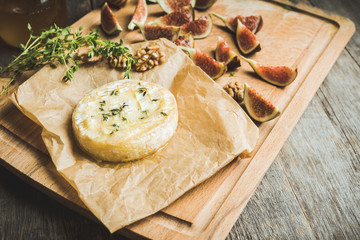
58, 46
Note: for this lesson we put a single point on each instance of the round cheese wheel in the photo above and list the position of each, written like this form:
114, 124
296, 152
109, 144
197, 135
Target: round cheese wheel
125, 120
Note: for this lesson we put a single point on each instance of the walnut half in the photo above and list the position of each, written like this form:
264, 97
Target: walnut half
235, 90
148, 58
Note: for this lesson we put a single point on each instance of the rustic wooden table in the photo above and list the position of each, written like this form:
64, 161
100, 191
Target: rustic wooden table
311, 191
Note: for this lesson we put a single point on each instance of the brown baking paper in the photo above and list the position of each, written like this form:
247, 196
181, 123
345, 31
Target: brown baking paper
212, 130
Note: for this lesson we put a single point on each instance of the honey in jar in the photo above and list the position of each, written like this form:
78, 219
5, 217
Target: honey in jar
41, 14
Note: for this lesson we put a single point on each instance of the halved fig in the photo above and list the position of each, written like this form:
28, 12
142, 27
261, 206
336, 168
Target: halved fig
208, 64
277, 75
246, 40
175, 5
200, 27
257, 106
152, 32
139, 16
204, 4
109, 23
186, 40
253, 22
177, 18
223, 53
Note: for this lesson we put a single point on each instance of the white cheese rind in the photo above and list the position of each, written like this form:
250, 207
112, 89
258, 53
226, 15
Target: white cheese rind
125, 120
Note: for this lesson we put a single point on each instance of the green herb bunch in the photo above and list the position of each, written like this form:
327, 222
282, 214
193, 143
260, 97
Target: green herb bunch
58, 46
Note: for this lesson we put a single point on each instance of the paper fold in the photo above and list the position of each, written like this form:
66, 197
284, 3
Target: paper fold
212, 130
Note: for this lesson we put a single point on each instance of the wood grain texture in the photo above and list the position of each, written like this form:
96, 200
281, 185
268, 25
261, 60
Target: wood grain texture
323, 172
308, 41
331, 205
341, 7
288, 205
273, 211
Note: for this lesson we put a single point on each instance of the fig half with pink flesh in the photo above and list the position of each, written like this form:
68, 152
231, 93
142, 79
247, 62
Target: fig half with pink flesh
257, 106
186, 40
208, 64
253, 22
109, 23
175, 5
223, 53
152, 32
173, 19
277, 75
200, 28
246, 40
204, 4
139, 16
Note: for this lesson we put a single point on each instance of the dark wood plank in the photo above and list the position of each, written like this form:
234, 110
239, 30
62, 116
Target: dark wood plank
323, 176
26, 213
273, 212
320, 159
349, 9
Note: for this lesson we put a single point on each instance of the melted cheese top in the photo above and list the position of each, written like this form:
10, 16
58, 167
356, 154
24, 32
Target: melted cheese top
122, 111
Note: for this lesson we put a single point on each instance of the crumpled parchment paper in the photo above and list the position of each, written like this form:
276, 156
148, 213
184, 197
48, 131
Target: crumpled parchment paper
212, 130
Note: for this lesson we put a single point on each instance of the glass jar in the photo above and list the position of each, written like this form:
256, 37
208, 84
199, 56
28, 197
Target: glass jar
41, 14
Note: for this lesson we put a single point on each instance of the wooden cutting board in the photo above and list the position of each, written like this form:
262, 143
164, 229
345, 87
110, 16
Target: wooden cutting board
293, 35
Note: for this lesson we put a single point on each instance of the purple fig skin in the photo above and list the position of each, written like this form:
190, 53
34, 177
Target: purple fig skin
204, 4
208, 64
246, 40
152, 32
278, 75
200, 28
173, 19
109, 23
257, 106
140, 15
253, 23
175, 5
223, 53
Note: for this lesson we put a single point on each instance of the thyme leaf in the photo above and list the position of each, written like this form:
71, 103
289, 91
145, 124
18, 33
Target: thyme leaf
59, 46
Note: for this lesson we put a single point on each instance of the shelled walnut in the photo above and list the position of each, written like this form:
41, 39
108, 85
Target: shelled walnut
148, 57
235, 90
119, 62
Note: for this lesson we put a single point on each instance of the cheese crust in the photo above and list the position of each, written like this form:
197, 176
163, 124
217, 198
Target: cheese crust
125, 120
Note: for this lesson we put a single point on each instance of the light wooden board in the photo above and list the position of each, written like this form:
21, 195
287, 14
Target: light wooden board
315, 41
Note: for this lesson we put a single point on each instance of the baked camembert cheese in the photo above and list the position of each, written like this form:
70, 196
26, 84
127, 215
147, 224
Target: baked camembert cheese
125, 120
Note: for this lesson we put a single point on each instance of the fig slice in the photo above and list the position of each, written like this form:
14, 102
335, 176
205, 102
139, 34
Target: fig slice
204, 4
277, 75
246, 40
208, 64
109, 23
177, 18
186, 40
152, 32
223, 53
257, 106
200, 27
139, 16
175, 5
253, 22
